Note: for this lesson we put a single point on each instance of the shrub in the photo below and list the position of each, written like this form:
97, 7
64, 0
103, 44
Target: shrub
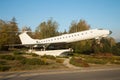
4, 68
34, 55
2, 62
18, 57
7, 57
115, 62
33, 61
59, 60
116, 58
18, 53
48, 57
96, 61
79, 62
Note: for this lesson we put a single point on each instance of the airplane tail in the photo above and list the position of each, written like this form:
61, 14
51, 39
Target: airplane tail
26, 39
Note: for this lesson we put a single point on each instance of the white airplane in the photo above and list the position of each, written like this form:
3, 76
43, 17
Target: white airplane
65, 38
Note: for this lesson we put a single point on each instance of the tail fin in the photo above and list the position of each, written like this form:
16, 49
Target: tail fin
26, 39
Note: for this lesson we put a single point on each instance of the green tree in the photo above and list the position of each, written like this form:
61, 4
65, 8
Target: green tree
25, 28
116, 49
96, 46
81, 46
8, 32
104, 46
80, 26
13, 29
47, 29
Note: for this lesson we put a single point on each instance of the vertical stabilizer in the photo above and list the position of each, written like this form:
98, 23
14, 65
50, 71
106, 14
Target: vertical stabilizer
26, 39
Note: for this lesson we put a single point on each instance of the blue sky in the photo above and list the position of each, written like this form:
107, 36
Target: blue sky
97, 13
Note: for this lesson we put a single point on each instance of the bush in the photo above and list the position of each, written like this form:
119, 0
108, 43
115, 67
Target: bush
4, 68
115, 62
33, 61
18, 53
33, 54
79, 62
18, 57
59, 60
7, 57
2, 62
96, 61
48, 57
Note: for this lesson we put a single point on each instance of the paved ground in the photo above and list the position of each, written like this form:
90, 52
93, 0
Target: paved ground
75, 74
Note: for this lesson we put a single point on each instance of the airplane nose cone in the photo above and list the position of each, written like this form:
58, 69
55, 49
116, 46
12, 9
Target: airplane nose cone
110, 32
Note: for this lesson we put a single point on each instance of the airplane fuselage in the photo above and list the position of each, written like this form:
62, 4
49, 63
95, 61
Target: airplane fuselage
66, 38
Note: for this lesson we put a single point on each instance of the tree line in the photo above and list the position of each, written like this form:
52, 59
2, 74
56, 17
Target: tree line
9, 35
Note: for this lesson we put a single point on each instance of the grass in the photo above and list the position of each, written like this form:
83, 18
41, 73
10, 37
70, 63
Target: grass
7, 57
23, 61
18, 61
4, 68
85, 60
